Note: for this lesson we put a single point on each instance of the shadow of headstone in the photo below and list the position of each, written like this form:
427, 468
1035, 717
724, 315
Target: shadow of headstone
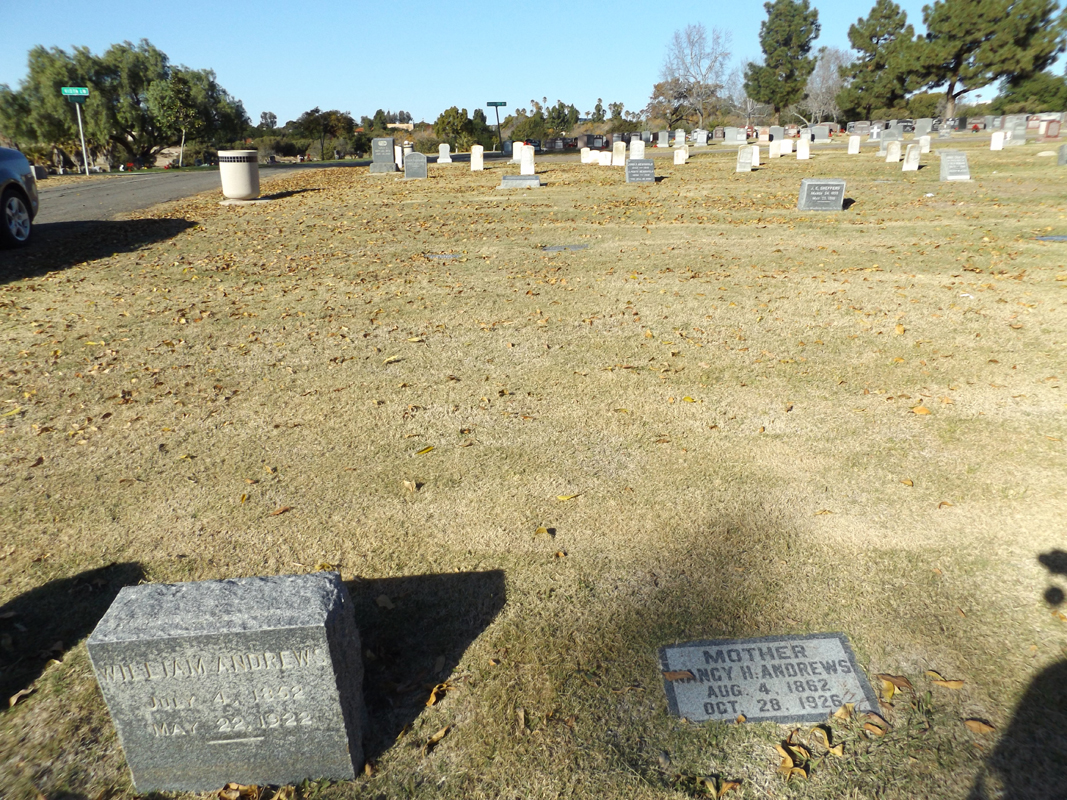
45, 622
414, 631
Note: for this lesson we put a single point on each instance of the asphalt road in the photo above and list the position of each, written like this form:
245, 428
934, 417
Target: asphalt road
105, 198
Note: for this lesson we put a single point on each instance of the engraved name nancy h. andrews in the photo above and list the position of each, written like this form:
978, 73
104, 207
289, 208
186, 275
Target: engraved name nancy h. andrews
201, 667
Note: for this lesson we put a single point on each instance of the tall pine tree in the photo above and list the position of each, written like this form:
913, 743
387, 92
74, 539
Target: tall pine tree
878, 78
973, 43
785, 37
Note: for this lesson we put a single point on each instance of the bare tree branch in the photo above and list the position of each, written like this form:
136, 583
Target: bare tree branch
697, 61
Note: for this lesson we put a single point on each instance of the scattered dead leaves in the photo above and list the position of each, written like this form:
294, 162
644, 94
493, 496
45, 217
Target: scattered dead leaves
975, 725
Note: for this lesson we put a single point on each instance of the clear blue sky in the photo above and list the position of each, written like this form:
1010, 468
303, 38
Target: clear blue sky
418, 56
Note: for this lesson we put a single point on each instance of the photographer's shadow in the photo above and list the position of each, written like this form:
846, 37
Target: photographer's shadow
1030, 760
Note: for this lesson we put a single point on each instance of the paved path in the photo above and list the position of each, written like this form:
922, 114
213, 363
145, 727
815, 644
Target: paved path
106, 197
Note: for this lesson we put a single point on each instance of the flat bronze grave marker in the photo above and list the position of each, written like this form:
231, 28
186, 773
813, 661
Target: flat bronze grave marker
782, 679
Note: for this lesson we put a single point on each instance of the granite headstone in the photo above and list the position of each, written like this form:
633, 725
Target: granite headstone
444, 154
640, 170
519, 182
662, 138
744, 159
382, 158
853, 145
954, 166
526, 160
253, 680
911, 158
821, 194
803, 149
892, 151
415, 166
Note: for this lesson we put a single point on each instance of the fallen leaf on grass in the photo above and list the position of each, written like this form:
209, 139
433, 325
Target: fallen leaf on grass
434, 740
437, 694
18, 696
11, 413
838, 750
237, 791
244, 497
978, 726
920, 410
416, 339
824, 511
908, 482
424, 450
955, 685
678, 675
38, 462
821, 735
726, 786
688, 399
899, 330
276, 512
898, 681
391, 360
944, 504
845, 711
565, 497
870, 727
560, 554
740, 718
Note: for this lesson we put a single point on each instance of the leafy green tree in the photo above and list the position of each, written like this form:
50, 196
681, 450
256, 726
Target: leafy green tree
972, 44
669, 102
268, 120
455, 127
125, 111
379, 122
322, 125
923, 104
1040, 92
878, 78
598, 111
532, 126
172, 105
786, 37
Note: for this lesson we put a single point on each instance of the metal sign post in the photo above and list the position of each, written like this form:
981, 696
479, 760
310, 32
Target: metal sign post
78, 95
496, 107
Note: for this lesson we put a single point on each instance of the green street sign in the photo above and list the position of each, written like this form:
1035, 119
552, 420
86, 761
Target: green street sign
79, 99
75, 91
496, 104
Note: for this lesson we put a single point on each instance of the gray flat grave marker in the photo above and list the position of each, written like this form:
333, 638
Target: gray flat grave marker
782, 679
414, 166
556, 248
1061, 161
519, 182
822, 194
954, 166
640, 170
1054, 238
382, 156
254, 680
441, 255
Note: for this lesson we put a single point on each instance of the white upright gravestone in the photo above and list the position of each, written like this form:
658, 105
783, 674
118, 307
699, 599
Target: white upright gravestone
618, 154
997, 142
853, 145
444, 155
803, 148
477, 158
911, 158
526, 160
637, 148
892, 151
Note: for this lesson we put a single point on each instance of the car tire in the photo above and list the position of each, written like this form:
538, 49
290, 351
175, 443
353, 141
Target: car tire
16, 224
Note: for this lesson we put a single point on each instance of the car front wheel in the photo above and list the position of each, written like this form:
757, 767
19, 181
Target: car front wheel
16, 227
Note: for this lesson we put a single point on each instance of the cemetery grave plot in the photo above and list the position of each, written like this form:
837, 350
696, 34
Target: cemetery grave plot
724, 419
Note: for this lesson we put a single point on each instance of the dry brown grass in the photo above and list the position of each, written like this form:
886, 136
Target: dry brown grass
726, 385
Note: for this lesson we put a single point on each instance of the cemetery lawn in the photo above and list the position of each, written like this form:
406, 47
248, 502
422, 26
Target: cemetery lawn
722, 418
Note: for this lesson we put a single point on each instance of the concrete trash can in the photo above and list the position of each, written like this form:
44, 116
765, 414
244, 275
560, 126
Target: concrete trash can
239, 170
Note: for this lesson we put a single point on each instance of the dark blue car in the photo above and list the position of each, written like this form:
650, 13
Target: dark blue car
18, 198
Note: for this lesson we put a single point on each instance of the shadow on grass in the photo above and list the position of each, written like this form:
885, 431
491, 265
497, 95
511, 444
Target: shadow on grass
289, 193
60, 245
1030, 760
414, 632
45, 622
